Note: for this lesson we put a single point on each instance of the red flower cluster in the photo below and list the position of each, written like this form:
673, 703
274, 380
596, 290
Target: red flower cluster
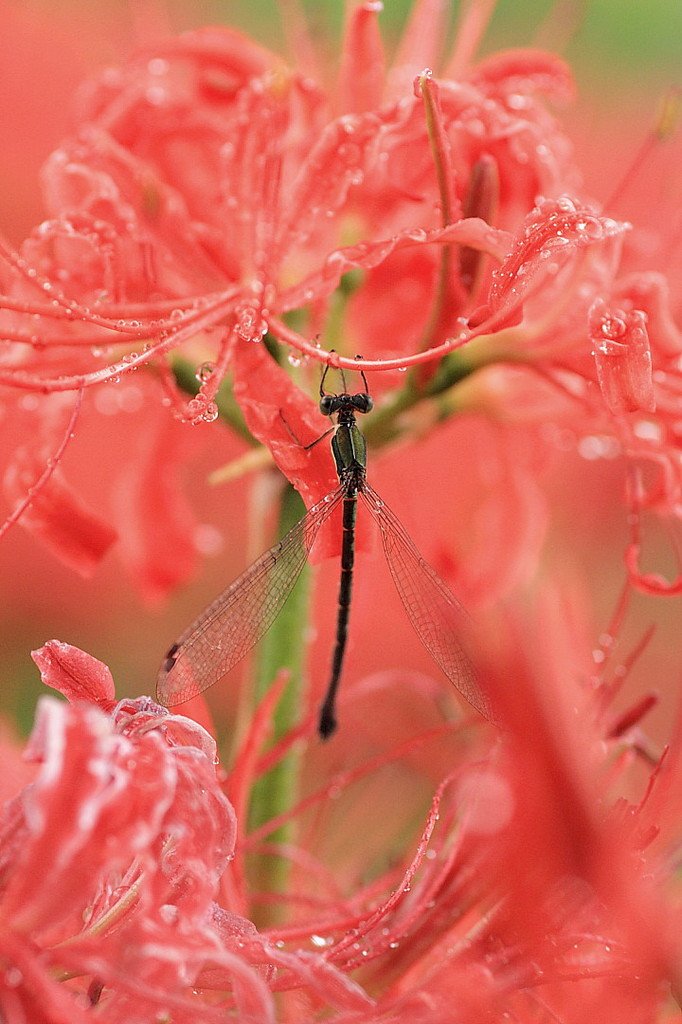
110, 863
121, 886
212, 194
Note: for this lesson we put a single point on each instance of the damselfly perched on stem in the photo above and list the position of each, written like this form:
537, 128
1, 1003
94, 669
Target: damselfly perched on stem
227, 630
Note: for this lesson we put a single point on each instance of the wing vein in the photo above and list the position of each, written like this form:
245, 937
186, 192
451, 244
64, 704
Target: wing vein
436, 615
236, 620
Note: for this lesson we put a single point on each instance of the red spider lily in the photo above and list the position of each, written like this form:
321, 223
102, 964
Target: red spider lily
210, 190
127, 812
109, 865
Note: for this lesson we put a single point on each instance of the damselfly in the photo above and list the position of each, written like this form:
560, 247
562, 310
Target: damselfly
227, 630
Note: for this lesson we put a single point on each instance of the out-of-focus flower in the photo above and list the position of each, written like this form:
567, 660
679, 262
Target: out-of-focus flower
122, 882
98, 836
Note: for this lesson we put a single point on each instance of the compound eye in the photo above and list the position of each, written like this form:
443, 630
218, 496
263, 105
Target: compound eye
327, 405
363, 402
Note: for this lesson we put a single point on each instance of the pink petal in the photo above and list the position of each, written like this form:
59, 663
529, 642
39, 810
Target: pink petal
623, 357
650, 292
471, 232
279, 416
524, 71
217, 49
337, 160
552, 233
361, 79
75, 674
156, 521
421, 44
58, 516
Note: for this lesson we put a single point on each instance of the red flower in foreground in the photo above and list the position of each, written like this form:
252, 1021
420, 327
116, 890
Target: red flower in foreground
121, 885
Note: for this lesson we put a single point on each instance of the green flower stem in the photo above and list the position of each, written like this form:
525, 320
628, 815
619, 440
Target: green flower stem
283, 648
388, 423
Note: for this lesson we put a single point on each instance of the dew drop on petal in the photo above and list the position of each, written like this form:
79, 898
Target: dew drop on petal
13, 977
598, 446
648, 430
417, 82
158, 66
204, 372
168, 912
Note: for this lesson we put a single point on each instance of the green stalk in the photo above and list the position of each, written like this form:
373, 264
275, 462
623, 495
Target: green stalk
282, 647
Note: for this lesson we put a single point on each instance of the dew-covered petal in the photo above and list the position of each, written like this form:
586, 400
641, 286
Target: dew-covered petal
76, 674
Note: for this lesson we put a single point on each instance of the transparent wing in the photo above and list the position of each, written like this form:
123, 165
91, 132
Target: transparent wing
435, 613
234, 623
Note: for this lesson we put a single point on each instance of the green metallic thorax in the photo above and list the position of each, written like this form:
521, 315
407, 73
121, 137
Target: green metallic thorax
350, 454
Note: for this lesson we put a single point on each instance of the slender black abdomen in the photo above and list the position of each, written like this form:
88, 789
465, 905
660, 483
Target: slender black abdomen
328, 712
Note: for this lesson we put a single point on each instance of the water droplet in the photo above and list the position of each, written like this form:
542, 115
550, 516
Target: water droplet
210, 413
648, 430
417, 82
204, 372
250, 325
598, 446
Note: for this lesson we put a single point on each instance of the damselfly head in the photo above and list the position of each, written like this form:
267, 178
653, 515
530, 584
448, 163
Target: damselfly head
330, 405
